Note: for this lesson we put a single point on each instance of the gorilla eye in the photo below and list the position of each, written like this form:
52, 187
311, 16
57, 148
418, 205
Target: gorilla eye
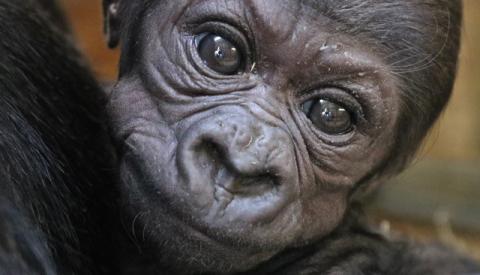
219, 54
328, 116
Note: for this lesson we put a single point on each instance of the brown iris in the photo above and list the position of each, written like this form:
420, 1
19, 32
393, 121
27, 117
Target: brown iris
328, 116
219, 54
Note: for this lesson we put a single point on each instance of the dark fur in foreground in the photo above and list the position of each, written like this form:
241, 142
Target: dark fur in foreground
23, 248
357, 249
52, 147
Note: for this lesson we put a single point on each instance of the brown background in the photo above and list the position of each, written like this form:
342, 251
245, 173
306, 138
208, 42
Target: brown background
439, 197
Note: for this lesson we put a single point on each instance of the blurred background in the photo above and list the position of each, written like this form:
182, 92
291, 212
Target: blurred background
438, 197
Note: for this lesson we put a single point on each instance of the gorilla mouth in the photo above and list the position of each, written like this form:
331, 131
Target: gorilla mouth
228, 193
251, 185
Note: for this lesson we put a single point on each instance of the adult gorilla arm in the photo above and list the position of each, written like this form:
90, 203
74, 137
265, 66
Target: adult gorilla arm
23, 248
53, 149
55, 14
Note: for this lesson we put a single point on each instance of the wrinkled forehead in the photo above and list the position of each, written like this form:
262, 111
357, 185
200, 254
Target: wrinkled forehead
350, 12
273, 16
374, 19
277, 20
262, 10
347, 11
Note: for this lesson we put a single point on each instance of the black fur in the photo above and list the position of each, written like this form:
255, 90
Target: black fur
23, 248
356, 249
52, 147
54, 13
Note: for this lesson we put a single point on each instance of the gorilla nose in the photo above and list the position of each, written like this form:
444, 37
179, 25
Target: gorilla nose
239, 153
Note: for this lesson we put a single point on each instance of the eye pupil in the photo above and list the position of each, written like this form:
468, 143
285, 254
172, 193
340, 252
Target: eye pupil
328, 116
219, 54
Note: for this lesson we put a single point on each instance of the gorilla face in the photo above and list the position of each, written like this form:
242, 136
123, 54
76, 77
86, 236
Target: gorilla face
244, 126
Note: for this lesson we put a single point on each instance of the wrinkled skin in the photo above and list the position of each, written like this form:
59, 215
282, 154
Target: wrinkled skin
220, 173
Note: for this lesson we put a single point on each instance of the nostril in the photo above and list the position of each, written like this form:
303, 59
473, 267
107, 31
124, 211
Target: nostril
215, 161
210, 152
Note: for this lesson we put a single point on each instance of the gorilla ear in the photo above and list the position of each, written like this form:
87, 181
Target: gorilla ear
111, 21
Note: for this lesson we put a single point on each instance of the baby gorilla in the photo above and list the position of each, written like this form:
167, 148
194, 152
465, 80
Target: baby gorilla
245, 128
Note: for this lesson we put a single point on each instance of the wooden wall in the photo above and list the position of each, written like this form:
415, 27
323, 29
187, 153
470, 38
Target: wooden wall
457, 135
86, 19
